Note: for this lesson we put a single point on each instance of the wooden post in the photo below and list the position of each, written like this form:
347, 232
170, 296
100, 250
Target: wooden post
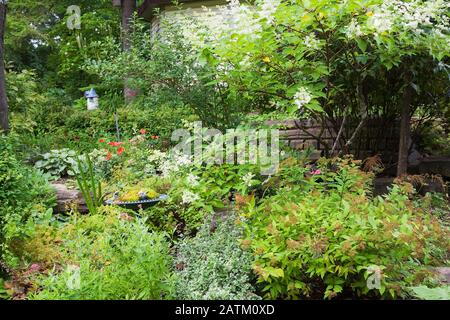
4, 122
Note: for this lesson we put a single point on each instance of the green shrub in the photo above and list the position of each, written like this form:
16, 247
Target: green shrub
114, 257
197, 191
46, 128
212, 265
325, 237
22, 90
22, 192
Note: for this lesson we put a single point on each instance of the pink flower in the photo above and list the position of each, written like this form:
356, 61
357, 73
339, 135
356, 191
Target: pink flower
34, 267
314, 172
143, 131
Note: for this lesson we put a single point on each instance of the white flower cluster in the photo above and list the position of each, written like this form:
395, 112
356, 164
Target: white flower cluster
189, 197
268, 8
247, 179
174, 163
411, 16
354, 30
241, 20
312, 42
382, 21
210, 24
192, 180
302, 97
157, 157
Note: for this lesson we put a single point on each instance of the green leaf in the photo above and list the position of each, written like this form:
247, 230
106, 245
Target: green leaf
362, 44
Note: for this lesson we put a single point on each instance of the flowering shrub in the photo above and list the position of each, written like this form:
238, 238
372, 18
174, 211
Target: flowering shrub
324, 236
331, 59
166, 71
204, 190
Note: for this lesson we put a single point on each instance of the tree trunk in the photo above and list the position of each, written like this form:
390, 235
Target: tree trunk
405, 127
128, 9
4, 122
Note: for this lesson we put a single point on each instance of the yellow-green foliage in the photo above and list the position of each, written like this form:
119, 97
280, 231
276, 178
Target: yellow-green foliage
327, 236
132, 194
117, 258
42, 247
152, 194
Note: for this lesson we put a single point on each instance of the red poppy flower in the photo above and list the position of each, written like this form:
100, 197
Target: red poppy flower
120, 150
108, 156
143, 131
115, 144
101, 140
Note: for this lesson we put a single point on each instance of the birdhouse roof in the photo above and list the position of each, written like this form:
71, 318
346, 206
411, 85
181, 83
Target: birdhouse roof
91, 94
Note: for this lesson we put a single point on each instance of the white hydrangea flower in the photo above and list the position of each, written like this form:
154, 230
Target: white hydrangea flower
157, 156
182, 160
189, 197
410, 16
241, 20
302, 97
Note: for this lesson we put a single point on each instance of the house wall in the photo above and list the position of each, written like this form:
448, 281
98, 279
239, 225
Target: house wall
194, 8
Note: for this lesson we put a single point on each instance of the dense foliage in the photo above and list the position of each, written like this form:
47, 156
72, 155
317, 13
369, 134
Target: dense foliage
163, 224
24, 193
326, 235
115, 259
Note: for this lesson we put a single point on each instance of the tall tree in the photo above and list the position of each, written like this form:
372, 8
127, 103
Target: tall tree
128, 9
4, 122
38, 38
405, 125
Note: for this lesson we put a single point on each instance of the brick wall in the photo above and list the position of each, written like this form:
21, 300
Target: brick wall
377, 136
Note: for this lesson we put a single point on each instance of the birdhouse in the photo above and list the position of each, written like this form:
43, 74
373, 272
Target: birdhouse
117, 3
92, 99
